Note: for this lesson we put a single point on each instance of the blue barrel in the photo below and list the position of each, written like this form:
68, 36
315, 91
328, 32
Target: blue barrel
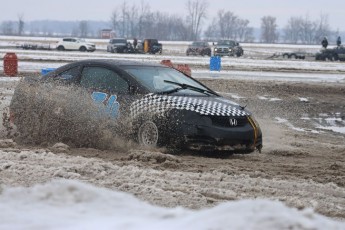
47, 70
215, 63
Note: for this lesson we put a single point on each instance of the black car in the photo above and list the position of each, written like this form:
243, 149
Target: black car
199, 48
156, 104
118, 45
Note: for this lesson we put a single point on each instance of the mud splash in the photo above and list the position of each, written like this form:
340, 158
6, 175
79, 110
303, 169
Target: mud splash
48, 113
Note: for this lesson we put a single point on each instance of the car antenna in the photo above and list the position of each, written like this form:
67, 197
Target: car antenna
243, 107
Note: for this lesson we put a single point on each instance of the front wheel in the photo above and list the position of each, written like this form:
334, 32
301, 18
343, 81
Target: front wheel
82, 49
148, 134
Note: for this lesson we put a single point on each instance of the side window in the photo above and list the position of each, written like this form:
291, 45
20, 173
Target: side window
104, 80
69, 75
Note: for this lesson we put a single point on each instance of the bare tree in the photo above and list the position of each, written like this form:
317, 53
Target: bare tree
322, 28
124, 20
307, 30
197, 12
7, 28
114, 20
243, 31
227, 25
83, 28
144, 11
133, 21
227, 22
212, 31
269, 32
20, 24
292, 30
74, 32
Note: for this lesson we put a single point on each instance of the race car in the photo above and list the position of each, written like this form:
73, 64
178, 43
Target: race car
151, 103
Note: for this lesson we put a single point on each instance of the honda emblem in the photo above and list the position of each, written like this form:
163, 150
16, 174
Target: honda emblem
233, 122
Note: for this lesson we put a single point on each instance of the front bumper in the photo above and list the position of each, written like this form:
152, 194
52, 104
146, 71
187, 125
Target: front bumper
247, 138
91, 48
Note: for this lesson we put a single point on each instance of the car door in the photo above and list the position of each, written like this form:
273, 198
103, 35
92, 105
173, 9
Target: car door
74, 44
67, 43
108, 89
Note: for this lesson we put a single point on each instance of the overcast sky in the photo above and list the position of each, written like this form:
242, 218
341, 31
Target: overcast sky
252, 10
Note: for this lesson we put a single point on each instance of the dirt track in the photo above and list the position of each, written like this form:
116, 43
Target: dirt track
301, 164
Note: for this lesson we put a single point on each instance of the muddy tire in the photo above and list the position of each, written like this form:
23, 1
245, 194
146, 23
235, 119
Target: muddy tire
148, 134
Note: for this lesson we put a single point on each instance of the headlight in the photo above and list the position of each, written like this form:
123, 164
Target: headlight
215, 49
230, 49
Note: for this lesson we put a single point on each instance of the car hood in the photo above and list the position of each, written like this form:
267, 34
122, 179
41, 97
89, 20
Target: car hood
159, 104
90, 44
119, 44
224, 46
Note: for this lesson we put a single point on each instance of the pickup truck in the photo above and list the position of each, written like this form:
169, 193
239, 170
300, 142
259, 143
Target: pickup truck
228, 48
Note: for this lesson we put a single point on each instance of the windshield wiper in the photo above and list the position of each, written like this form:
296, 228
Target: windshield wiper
186, 86
171, 90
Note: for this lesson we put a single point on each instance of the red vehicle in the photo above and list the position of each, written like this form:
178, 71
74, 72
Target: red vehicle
199, 48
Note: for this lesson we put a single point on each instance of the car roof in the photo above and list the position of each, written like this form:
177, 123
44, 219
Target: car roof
109, 62
116, 62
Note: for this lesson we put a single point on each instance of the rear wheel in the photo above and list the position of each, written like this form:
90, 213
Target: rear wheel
330, 57
60, 48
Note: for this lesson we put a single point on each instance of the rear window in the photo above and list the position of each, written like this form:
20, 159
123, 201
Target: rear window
119, 41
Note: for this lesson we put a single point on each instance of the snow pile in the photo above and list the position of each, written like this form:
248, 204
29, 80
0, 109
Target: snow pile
67, 204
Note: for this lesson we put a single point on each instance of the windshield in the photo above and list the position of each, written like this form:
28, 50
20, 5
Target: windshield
226, 43
154, 79
198, 43
119, 41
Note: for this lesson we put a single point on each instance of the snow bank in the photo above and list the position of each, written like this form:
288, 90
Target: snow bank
68, 204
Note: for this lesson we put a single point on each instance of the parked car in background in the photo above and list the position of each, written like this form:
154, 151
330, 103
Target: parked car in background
118, 45
199, 48
154, 104
228, 48
332, 54
75, 44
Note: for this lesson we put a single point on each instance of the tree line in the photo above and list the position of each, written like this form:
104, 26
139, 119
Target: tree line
139, 21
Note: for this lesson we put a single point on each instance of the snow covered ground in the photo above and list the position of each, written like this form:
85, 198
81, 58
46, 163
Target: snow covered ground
73, 203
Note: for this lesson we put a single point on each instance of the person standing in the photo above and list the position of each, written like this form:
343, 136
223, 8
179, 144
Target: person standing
339, 41
324, 42
135, 43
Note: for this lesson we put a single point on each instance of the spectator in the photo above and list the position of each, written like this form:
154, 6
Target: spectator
135, 43
339, 41
324, 42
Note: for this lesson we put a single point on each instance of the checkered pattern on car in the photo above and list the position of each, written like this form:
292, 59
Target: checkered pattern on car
159, 104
